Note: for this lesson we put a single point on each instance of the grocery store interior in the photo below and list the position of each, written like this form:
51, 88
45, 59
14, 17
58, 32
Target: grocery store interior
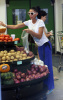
14, 12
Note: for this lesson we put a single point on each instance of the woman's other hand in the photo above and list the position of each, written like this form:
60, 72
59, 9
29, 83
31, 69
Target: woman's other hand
1, 23
50, 33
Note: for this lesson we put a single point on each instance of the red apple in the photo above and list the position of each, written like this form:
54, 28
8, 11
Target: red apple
17, 81
18, 77
27, 79
15, 70
34, 72
29, 72
22, 80
23, 75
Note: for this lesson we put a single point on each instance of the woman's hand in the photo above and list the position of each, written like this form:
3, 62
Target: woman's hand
50, 33
28, 31
1, 23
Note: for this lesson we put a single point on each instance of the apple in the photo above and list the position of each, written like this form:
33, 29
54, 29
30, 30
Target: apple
34, 72
27, 79
41, 70
32, 69
44, 74
29, 72
36, 77
17, 81
41, 75
18, 77
39, 66
23, 75
22, 80
15, 70
33, 66
37, 69
19, 72
33, 75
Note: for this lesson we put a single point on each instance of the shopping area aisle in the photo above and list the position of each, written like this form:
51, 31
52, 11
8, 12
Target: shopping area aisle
57, 93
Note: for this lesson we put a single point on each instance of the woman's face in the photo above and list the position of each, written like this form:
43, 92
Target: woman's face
32, 14
43, 18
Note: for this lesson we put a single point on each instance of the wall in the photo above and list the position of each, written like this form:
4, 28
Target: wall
16, 4
58, 22
3, 13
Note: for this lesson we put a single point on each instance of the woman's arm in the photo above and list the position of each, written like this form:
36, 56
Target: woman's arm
37, 35
48, 34
13, 26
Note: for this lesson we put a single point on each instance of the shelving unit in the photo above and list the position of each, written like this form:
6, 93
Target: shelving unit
20, 90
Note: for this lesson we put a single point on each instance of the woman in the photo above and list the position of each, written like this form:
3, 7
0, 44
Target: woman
43, 17
45, 54
35, 25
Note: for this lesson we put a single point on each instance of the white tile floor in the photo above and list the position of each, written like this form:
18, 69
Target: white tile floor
57, 93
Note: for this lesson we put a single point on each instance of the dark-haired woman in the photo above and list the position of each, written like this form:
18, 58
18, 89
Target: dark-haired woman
45, 54
35, 24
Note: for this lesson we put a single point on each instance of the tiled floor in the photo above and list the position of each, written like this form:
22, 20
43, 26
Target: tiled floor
57, 93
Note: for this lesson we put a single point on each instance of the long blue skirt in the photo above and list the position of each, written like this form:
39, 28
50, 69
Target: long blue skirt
45, 54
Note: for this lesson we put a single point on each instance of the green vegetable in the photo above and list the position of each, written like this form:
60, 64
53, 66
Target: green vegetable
6, 82
7, 76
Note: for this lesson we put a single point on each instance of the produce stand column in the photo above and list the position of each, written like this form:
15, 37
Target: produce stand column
0, 86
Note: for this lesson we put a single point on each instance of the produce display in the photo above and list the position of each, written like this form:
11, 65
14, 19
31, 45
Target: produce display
35, 72
9, 77
12, 55
7, 38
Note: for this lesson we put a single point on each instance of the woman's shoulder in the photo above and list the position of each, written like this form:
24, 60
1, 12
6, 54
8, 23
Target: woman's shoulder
27, 21
39, 20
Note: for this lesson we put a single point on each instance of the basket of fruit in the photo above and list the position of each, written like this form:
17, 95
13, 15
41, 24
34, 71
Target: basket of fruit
2, 29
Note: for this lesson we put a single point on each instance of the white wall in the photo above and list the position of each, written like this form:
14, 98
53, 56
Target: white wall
58, 21
3, 13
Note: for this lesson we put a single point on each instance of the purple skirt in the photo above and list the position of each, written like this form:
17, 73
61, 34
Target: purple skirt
45, 54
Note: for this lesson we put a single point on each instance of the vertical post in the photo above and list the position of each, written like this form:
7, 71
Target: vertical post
30, 3
29, 34
0, 87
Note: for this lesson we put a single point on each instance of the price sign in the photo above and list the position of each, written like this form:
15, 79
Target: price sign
15, 42
19, 62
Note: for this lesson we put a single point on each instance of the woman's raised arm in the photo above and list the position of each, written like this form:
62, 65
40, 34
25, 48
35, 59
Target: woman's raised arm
13, 26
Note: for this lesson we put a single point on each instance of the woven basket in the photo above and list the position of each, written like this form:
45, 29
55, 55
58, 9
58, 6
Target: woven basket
2, 29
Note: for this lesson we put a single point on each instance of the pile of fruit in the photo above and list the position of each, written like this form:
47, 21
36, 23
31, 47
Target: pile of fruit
16, 76
34, 73
7, 38
7, 78
13, 55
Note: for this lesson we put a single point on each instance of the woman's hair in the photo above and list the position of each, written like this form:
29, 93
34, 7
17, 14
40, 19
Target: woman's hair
37, 9
43, 13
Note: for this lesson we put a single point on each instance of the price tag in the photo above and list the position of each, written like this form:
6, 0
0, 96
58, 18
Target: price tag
19, 62
15, 42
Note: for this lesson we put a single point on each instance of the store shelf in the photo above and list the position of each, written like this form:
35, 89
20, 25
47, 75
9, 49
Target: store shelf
24, 84
20, 62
